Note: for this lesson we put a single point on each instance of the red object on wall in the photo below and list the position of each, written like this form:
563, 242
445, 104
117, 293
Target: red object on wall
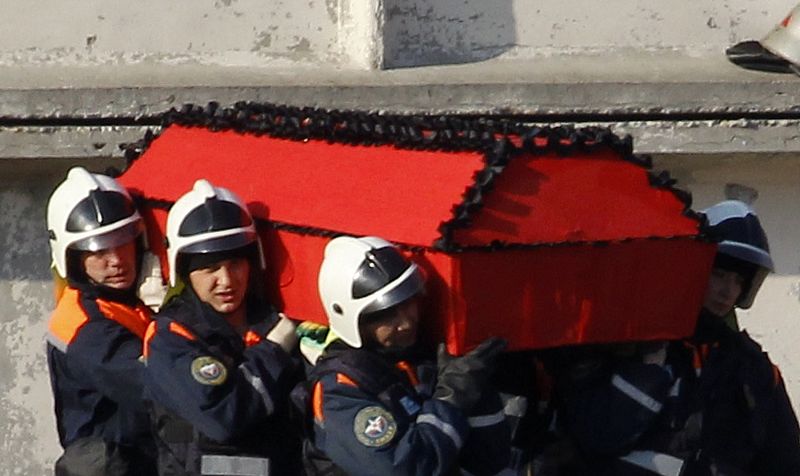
554, 249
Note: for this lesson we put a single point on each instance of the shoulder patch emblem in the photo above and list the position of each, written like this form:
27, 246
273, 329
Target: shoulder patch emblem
374, 427
209, 371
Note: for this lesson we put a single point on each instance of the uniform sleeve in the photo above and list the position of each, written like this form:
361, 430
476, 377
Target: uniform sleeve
221, 399
780, 452
608, 411
364, 438
109, 356
488, 446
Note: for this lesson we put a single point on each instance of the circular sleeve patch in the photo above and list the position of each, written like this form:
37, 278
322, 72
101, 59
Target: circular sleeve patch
209, 371
374, 427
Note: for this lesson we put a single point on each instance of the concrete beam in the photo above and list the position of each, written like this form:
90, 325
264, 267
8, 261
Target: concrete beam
635, 83
65, 142
650, 137
668, 102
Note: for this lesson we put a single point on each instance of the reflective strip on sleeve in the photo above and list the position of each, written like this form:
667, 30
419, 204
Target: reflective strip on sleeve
481, 421
56, 342
634, 393
258, 385
658, 463
515, 406
443, 426
234, 465
675, 390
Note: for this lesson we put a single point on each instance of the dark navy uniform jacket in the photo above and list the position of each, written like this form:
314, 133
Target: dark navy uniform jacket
374, 413
94, 355
717, 406
215, 392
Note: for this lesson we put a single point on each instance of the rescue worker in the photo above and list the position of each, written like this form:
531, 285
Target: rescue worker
94, 340
219, 363
380, 407
716, 404
731, 410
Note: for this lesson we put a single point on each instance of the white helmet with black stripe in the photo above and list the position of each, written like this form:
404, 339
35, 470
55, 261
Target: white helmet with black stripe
360, 276
89, 212
206, 220
742, 239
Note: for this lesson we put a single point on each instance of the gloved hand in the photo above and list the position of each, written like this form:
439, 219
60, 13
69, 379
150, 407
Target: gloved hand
283, 333
313, 339
462, 380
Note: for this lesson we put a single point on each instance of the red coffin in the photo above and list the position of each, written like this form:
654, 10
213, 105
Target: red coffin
547, 237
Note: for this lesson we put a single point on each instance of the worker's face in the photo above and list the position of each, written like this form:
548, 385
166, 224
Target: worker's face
113, 267
222, 285
395, 327
724, 288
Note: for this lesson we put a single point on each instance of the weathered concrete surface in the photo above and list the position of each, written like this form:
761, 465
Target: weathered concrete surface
227, 32
419, 33
634, 83
27, 440
365, 34
65, 141
651, 137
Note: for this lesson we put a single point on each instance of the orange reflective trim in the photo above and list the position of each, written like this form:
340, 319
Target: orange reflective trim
345, 380
704, 350
776, 375
135, 319
148, 336
251, 338
176, 328
410, 372
67, 318
697, 360
316, 402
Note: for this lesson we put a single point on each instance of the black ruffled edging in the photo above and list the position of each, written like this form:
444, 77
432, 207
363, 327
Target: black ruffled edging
498, 140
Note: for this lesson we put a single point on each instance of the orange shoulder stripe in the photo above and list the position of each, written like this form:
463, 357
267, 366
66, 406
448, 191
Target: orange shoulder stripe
316, 402
176, 328
412, 375
135, 319
148, 336
345, 380
67, 319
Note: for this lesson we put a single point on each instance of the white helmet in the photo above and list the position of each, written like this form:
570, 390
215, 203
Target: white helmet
360, 276
784, 39
741, 238
89, 212
208, 219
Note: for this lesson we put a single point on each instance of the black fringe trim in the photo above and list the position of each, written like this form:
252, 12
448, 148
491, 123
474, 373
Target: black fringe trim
498, 140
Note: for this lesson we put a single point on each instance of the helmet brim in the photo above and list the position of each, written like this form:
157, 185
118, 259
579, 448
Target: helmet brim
747, 253
222, 243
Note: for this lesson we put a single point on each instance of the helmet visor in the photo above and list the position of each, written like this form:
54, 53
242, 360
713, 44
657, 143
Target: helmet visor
411, 285
111, 239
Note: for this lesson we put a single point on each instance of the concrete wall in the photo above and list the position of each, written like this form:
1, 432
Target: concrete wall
226, 32
456, 31
365, 34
